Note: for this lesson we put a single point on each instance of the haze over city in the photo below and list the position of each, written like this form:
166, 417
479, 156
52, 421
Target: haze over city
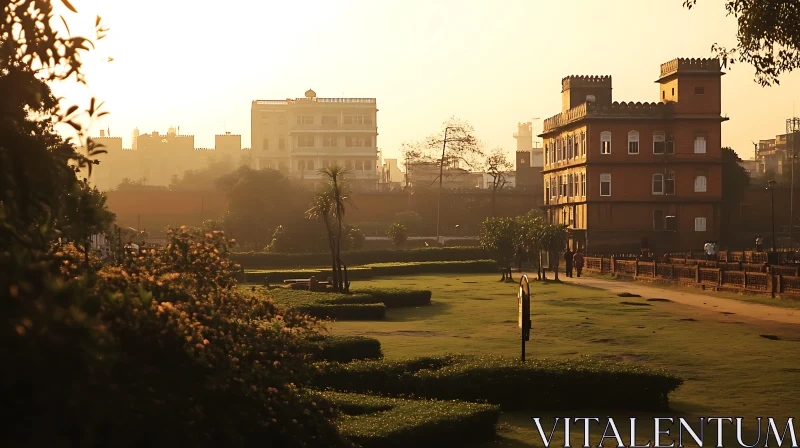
199, 66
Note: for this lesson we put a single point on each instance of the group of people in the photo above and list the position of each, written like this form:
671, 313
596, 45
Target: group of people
573, 259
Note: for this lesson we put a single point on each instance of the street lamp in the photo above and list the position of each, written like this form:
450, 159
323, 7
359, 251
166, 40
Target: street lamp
772, 203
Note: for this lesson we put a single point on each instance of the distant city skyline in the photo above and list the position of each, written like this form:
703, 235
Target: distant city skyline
491, 66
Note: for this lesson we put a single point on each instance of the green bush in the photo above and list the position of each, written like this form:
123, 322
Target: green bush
390, 422
536, 384
264, 260
397, 297
345, 348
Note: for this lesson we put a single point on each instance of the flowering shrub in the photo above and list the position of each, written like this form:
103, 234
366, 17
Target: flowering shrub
162, 350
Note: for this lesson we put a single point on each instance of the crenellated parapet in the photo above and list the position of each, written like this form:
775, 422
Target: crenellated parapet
613, 110
573, 82
691, 65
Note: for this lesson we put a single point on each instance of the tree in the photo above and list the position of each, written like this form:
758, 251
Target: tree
768, 37
328, 206
411, 219
497, 166
258, 202
530, 234
553, 240
204, 179
735, 181
502, 237
138, 185
398, 233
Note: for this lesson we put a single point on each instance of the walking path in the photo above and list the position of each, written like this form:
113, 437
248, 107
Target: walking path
707, 302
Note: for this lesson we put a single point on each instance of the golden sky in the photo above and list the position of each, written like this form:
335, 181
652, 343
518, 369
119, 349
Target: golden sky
199, 64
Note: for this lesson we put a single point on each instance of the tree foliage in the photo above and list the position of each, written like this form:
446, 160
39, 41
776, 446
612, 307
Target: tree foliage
258, 202
398, 233
497, 167
455, 146
768, 37
502, 236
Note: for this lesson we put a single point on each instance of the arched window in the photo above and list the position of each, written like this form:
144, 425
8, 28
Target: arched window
301, 165
659, 142
700, 183
605, 142
633, 142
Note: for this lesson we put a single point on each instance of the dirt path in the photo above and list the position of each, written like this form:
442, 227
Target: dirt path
706, 302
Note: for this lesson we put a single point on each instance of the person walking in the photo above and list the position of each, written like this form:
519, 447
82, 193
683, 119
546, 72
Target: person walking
759, 242
577, 260
568, 255
707, 250
712, 255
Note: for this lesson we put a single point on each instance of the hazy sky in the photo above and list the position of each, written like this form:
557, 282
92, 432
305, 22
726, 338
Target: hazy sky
199, 64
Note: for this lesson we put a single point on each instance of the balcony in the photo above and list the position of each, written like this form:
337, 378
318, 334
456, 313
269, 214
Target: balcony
338, 128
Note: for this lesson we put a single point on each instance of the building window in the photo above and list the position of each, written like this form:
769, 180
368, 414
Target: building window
330, 142
360, 165
658, 220
699, 90
264, 115
305, 119
330, 119
367, 141
570, 191
310, 165
301, 165
670, 143
669, 183
583, 144
605, 184
633, 142
659, 143
699, 224
673, 91
671, 223
354, 119
663, 94
281, 144
658, 184
700, 144
305, 141
605, 142
583, 181
570, 148
265, 144
700, 183
547, 190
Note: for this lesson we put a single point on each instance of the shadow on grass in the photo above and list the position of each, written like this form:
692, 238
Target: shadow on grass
416, 313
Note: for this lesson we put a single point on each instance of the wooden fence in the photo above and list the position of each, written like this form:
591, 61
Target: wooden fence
728, 275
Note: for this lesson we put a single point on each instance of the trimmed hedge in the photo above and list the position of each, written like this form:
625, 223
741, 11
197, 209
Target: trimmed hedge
263, 260
346, 348
390, 422
537, 384
363, 304
345, 311
397, 297
379, 269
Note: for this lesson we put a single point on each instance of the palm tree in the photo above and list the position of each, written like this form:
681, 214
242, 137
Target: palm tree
329, 207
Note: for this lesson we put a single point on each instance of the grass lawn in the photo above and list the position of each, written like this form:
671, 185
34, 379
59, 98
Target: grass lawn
730, 370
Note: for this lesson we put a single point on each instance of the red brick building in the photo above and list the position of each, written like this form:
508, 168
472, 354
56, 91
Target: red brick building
620, 172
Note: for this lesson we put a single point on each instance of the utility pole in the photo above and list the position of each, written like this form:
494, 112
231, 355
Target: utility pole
441, 173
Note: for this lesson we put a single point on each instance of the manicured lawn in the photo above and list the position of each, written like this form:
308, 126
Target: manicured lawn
730, 370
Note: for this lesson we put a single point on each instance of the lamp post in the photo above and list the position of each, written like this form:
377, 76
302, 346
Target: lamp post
772, 204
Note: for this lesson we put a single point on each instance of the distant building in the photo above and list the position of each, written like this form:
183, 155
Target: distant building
617, 173
299, 136
159, 158
773, 155
753, 167
425, 175
391, 174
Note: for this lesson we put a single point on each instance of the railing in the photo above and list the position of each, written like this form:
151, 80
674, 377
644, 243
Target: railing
755, 278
